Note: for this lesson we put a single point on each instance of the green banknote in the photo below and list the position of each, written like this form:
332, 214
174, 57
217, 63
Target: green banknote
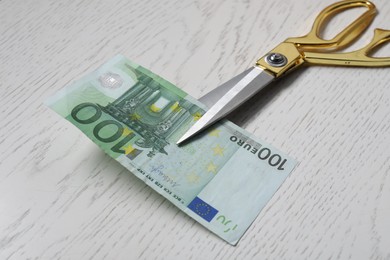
222, 178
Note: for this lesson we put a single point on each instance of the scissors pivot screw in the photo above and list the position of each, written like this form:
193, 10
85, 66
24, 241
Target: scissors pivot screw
276, 59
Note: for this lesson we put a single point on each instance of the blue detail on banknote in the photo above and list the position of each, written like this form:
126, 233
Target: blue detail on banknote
204, 210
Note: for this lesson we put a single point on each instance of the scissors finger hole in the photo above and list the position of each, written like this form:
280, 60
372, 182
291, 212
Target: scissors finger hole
334, 25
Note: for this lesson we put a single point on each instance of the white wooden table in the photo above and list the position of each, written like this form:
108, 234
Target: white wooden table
63, 198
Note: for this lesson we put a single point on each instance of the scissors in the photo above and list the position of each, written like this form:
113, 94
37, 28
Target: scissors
310, 49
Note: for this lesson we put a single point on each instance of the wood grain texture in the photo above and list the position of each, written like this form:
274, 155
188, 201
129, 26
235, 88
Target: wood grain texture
63, 198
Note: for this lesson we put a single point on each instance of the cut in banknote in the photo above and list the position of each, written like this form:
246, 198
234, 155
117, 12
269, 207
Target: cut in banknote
222, 178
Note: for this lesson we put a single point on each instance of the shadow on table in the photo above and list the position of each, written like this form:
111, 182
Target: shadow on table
247, 112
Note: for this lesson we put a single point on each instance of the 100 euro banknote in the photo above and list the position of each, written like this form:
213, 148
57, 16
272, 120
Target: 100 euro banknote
222, 178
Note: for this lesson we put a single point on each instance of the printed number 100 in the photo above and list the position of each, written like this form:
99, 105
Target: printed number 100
97, 129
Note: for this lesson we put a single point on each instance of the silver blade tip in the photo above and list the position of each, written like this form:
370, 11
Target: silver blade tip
184, 138
190, 133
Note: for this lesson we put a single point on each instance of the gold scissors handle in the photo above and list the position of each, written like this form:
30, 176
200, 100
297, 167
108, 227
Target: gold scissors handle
310, 49
313, 49
355, 58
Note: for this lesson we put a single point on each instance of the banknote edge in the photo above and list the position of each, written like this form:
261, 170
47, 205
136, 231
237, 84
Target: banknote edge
72, 86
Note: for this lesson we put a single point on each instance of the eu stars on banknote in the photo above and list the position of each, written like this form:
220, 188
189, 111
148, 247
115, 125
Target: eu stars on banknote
222, 178
203, 209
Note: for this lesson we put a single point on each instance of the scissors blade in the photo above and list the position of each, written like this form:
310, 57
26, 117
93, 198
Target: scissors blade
246, 87
210, 98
